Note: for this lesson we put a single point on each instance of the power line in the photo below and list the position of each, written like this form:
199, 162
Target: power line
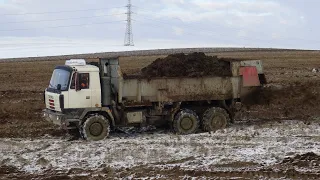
225, 35
208, 32
229, 28
54, 12
61, 26
197, 32
192, 26
145, 10
64, 46
47, 43
62, 19
186, 25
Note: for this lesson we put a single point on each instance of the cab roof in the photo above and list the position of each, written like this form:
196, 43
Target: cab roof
86, 68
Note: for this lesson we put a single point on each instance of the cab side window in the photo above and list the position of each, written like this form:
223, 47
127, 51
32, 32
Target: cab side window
84, 80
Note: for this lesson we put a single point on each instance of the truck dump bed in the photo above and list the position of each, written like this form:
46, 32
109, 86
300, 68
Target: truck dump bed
140, 89
180, 89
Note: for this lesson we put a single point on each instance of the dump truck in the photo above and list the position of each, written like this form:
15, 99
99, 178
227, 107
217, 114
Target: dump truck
92, 99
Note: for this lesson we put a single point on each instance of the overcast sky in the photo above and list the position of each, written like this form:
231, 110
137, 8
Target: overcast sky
53, 27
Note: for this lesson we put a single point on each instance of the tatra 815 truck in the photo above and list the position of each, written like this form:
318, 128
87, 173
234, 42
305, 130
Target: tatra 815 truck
95, 98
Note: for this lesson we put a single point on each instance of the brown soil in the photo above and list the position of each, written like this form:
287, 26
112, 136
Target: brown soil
174, 172
308, 160
21, 99
8, 170
292, 92
20, 115
178, 172
297, 100
191, 65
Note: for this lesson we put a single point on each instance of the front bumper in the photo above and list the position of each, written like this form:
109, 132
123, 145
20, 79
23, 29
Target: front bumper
55, 118
59, 119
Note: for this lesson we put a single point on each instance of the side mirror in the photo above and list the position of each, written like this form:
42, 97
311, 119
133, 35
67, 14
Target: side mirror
77, 82
59, 87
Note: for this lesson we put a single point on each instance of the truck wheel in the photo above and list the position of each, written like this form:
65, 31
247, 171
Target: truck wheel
215, 118
186, 122
95, 128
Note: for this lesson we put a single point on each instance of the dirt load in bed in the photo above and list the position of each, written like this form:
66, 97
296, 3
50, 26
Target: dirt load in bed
191, 65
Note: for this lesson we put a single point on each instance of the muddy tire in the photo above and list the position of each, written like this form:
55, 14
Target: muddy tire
95, 128
186, 122
215, 118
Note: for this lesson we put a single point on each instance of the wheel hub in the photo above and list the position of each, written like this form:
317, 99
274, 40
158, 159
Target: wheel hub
96, 129
186, 123
218, 122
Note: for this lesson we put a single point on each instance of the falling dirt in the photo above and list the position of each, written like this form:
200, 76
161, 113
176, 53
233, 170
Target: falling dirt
297, 100
191, 65
302, 92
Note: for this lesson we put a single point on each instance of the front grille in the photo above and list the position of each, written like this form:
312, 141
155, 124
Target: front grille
51, 104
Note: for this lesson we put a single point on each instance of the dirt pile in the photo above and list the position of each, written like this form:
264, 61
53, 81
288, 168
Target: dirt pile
295, 100
191, 65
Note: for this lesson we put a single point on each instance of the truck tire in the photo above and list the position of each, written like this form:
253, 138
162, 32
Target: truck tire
215, 118
95, 128
186, 121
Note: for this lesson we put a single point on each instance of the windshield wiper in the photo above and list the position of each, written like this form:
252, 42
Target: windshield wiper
54, 87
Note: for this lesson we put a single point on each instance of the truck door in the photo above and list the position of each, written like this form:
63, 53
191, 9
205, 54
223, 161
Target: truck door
80, 98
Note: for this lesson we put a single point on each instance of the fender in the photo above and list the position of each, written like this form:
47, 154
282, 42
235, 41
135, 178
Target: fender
98, 110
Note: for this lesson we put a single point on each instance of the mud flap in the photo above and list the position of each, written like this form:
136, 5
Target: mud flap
250, 76
251, 85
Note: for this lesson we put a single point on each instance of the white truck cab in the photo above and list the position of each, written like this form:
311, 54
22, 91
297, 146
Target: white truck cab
77, 84
73, 86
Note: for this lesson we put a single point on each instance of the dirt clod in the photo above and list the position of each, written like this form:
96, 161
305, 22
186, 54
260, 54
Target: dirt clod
8, 169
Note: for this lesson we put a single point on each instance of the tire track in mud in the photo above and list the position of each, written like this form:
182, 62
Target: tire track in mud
173, 173
177, 172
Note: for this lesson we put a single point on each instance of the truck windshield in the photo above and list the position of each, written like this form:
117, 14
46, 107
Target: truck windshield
60, 76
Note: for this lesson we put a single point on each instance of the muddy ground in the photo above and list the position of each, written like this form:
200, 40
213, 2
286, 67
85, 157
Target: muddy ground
247, 150
292, 92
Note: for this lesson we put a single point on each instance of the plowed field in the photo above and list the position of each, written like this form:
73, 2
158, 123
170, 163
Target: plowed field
263, 144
